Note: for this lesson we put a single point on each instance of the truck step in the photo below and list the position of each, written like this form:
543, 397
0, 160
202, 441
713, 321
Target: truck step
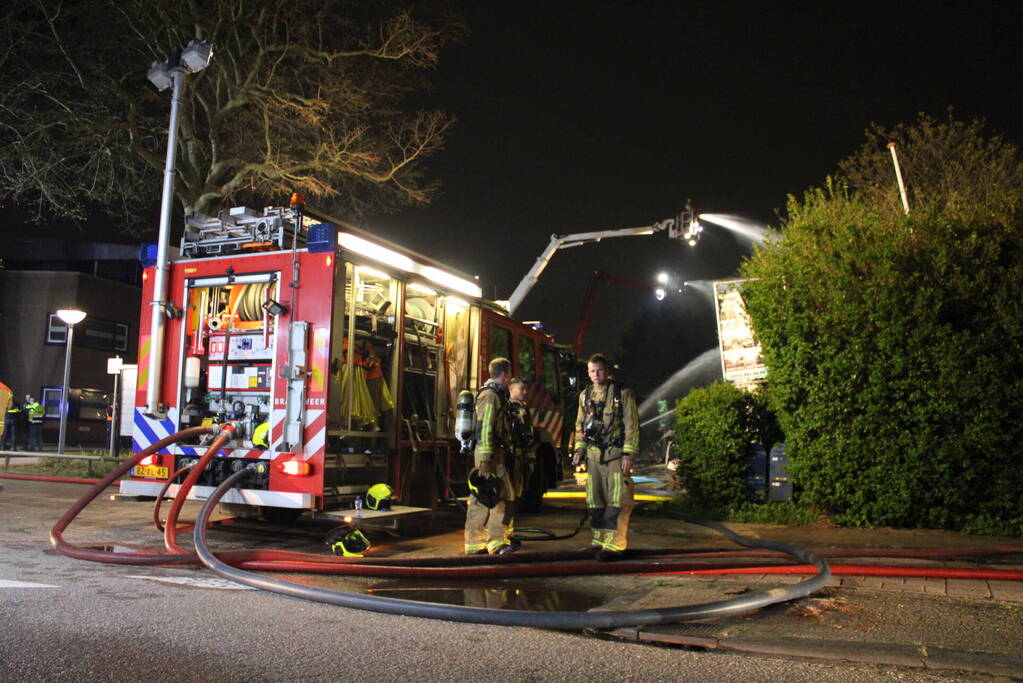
348, 514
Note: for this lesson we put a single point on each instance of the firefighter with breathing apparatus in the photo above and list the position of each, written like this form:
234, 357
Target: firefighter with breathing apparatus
523, 434
607, 438
491, 507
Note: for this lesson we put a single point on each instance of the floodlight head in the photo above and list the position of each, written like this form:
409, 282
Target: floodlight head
71, 316
159, 76
660, 293
196, 55
662, 278
274, 307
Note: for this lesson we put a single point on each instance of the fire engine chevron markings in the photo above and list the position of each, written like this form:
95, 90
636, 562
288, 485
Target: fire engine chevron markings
195, 582
24, 584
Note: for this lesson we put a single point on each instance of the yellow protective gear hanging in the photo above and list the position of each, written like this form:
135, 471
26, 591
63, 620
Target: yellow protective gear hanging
364, 410
261, 436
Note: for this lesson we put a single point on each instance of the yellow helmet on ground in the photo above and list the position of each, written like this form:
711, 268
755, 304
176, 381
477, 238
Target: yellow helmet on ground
351, 544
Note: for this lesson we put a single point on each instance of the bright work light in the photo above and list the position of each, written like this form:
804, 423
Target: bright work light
196, 55
160, 76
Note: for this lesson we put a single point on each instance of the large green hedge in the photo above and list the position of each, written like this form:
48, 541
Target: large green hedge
714, 428
895, 343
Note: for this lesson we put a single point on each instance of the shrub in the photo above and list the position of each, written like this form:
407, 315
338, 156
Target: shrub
895, 344
714, 427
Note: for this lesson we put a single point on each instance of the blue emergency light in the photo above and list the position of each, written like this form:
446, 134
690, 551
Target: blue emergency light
321, 237
147, 254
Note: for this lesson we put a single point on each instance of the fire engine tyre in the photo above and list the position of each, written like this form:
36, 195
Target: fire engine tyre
501, 617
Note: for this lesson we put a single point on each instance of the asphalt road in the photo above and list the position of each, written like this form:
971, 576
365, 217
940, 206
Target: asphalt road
91, 622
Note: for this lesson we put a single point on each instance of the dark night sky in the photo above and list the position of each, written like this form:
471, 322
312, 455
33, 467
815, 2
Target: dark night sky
576, 116
580, 116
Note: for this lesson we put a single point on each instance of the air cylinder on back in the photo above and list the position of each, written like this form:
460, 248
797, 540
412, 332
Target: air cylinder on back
465, 419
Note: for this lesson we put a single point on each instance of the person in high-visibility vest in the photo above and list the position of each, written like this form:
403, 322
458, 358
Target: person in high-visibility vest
110, 422
35, 412
11, 419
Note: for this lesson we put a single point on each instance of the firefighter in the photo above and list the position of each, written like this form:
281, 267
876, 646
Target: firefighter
35, 412
522, 433
491, 507
607, 438
11, 419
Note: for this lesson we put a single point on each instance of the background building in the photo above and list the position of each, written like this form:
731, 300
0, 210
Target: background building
38, 278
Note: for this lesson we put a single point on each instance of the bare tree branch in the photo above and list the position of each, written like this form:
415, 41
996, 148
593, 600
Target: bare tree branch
303, 95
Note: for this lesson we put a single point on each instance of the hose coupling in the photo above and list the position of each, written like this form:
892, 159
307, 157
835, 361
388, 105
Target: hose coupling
234, 429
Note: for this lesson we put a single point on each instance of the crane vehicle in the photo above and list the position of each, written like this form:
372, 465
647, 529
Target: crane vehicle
341, 355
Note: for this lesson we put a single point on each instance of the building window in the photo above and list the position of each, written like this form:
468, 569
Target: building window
56, 330
91, 333
51, 402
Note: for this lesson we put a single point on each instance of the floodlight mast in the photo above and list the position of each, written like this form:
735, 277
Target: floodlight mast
195, 57
677, 227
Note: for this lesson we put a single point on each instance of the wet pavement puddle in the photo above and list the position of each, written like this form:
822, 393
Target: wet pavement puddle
533, 599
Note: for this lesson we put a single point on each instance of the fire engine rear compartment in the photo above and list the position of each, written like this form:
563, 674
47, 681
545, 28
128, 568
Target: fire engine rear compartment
349, 353
385, 406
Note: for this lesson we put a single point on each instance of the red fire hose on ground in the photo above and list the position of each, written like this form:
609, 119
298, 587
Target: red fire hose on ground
543, 564
53, 480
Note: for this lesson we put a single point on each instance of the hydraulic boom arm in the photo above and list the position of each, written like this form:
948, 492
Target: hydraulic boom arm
684, 226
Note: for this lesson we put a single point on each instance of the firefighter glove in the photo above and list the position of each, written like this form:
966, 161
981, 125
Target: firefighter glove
626, 465
579, 456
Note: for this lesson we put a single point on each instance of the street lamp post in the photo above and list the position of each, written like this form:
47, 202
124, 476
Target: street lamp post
114, 368
71, 317
171, 74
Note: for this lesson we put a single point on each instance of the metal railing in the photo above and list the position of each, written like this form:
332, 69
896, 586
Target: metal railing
90, 459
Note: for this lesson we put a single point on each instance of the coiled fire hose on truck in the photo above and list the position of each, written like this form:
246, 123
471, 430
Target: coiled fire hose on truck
482, 615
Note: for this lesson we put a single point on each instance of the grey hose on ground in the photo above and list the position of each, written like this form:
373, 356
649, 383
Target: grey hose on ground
551, 620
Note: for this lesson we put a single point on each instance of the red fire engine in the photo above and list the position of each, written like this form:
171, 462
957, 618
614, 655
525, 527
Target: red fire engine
340, 353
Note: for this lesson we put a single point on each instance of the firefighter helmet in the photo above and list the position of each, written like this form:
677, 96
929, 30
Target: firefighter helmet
486, 488
351, 544
378, 497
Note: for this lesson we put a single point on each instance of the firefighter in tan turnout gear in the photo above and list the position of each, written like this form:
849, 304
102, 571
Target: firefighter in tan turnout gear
523, 435
607, 438
491, 507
